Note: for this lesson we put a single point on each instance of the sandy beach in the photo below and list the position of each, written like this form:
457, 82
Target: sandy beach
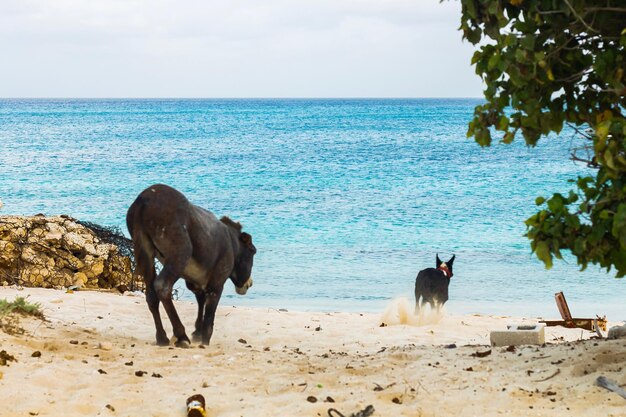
97, 356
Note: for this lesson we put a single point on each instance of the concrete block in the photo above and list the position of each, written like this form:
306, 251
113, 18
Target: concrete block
617, 332
519, 334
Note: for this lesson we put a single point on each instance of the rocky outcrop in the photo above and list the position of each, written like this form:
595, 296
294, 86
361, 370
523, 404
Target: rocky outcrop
57, 251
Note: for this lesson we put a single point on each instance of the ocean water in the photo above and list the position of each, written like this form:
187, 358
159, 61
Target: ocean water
346, 200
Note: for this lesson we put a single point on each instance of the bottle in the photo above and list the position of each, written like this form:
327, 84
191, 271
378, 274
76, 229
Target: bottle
195, 406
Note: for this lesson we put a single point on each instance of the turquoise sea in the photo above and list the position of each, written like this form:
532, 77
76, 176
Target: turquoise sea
346, 200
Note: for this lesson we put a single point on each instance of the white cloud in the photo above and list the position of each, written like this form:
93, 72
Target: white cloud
234, 48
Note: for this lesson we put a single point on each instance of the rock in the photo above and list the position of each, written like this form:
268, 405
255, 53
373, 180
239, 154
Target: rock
55, 233
80, 279
56, 251
97, 268
617, 332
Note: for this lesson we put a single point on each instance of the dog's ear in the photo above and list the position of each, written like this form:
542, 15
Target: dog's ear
451, 261
438, 261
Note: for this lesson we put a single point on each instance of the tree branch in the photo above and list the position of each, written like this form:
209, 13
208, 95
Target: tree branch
590, 162
580, 18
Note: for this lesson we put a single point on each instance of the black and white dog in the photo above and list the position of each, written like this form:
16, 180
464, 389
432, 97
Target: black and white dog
431, 285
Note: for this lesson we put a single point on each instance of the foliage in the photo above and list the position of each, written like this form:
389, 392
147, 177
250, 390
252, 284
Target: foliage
11, 310
20, 305
546, 63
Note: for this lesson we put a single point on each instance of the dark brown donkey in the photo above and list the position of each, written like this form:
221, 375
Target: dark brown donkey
190, 242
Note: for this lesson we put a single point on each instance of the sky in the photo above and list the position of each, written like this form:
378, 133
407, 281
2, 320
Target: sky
234, 48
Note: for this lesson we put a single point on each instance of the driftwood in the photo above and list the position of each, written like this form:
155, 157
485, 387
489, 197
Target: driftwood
558, 371
604, 382
591, 324
368, 411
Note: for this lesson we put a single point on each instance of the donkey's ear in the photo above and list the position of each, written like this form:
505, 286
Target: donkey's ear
451, 261
246, 238
438, 261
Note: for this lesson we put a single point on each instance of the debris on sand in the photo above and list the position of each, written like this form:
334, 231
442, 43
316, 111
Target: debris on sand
604, 382
5, 358
368, 411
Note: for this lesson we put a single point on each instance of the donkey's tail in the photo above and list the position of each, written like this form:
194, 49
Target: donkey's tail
142, 244
133, 216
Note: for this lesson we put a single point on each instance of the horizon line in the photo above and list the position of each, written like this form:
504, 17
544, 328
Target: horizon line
241, 98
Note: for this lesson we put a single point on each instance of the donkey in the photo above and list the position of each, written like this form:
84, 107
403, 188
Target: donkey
189, 242
431, 285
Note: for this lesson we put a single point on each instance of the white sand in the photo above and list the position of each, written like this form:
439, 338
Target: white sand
266, 362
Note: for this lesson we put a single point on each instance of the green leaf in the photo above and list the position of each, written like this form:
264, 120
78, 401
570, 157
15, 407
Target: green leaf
469, 8
543, 253
572, 197
493, 61
555, 204
503, 123
476, 57
619, 225
603, 130
483, 137
508, 137
473, 35
528, 42
572, 222
620, 263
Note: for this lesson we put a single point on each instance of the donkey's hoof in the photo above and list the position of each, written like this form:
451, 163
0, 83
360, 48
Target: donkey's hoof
196, 337
162, 341
183, 343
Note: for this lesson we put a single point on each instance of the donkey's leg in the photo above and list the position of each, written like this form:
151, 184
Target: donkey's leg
163, 285
213, 298
196, 336
145, 268
178, 254
153, 304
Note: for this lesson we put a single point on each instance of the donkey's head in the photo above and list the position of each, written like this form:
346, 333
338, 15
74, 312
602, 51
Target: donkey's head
242, 272
242, 269
445, 267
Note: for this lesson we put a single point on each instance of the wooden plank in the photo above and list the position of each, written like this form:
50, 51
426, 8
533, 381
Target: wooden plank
587, 324
562, 306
